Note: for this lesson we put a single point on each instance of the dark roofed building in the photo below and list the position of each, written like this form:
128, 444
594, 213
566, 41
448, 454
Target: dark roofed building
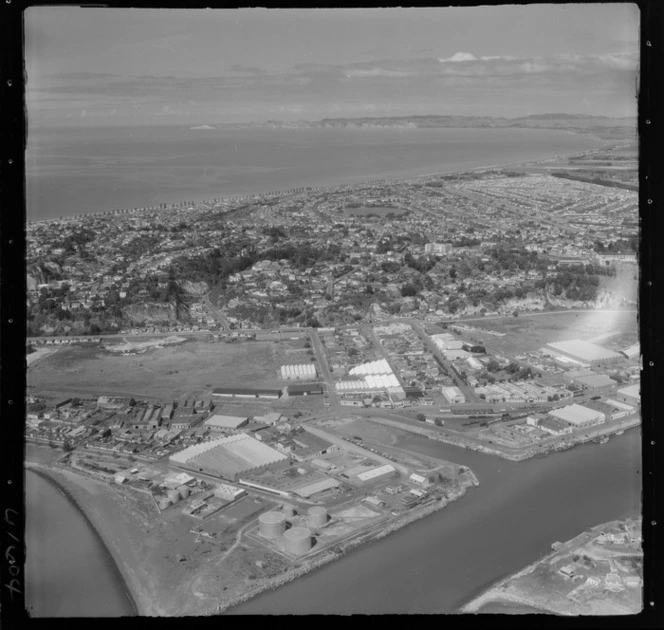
246, 392
299, 389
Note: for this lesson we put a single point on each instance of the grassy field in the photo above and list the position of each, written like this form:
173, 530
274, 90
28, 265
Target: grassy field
192, 368
530, 332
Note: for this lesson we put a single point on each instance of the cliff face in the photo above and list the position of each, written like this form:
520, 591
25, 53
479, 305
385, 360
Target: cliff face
570, 122
150, 313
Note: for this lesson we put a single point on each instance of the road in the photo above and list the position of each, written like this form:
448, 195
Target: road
324, 368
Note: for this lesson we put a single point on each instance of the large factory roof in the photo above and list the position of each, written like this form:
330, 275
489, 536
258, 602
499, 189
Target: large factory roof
317, 486
576, 414
583, 350
380, 366
225, 422
229, 456
633, 391
595, 380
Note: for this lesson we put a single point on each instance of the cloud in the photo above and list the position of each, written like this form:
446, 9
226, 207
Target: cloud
460, 56
247, 69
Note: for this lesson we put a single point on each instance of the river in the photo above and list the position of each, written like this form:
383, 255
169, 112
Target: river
432, 566
69, 572
438, 564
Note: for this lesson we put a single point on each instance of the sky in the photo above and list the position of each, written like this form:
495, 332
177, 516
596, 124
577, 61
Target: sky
101, 66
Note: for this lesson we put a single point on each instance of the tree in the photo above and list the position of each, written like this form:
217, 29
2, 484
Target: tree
421, 417
515, 313
408, 290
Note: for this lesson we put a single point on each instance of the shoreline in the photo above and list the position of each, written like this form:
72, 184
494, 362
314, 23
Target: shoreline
114, 556
494, 594
113, 562
348, 180
123, 571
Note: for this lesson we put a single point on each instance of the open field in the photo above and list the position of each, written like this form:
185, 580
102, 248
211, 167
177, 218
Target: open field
169, 372
527, 333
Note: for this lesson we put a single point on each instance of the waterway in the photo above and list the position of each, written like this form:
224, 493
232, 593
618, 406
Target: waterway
438, 564
69, 572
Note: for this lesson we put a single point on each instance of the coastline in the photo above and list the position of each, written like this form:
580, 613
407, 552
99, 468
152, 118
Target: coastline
115, 559
348, 180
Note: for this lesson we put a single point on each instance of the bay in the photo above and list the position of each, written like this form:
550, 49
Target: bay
87, 170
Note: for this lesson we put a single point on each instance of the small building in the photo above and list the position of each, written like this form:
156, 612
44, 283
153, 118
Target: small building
228, 493
378, 473
630, 395
453, 395
419, 480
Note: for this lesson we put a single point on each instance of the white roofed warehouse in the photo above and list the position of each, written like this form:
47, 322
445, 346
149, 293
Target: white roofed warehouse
579, 416
584, 351
229, 457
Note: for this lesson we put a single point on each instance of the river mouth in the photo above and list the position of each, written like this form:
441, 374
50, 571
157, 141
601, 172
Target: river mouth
440, 563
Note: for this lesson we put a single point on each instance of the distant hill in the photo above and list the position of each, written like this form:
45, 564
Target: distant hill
580, 123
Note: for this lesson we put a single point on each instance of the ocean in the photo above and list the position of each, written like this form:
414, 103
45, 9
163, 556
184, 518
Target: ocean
435, 565
81, 170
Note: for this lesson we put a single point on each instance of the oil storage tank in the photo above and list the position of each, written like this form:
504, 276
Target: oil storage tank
183, 491
288, 510
316, 516
173, 496
272, 524
298, 540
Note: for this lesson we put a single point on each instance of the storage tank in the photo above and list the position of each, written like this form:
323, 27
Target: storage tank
298, 540
288, 510
183, 491
173, 496
316, 516
163, 504
272, 524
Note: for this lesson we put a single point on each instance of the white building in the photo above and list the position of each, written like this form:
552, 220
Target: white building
453, 395
578, 415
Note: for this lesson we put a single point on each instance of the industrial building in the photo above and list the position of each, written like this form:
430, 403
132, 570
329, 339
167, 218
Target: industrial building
310, 489
225, 423
554, 426
631, 395
313, 389
453, 395
228, 493
374, 474
594, 381
579, 415
229, 457
584, 351
303, 371
246, 392
632, 352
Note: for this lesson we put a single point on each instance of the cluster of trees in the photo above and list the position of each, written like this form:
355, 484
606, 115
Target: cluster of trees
623, 246
575, 285
73, 242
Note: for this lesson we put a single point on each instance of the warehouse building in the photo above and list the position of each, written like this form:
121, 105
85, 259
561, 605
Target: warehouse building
229, 457
612, 409
453, 395
630, 395
225, 423
303, 371
584, 351
228, 493
632, 352
554, 426
305, 390
374, 474
322, 485
246, 392
594, 381
579, 416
